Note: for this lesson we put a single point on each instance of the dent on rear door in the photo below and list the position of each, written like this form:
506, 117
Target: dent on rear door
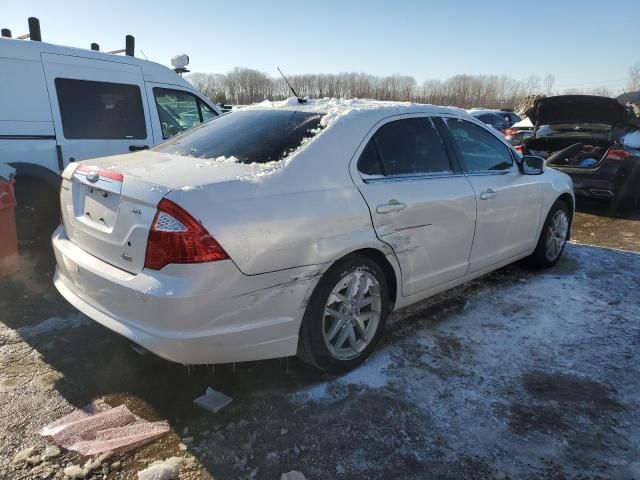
428, 219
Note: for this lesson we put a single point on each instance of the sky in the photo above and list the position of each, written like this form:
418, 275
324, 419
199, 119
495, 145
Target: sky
584, 43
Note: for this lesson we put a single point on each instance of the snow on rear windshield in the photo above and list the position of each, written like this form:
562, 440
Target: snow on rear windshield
250, 136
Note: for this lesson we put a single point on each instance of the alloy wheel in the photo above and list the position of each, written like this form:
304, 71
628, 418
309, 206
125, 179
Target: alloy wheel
352, 314
556, 235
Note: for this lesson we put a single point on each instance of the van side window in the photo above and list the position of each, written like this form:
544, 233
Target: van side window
179, 111
207, 112
100, 110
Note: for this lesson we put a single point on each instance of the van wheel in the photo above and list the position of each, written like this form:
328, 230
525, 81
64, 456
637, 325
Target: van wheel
345, 317
37, 211
553, 237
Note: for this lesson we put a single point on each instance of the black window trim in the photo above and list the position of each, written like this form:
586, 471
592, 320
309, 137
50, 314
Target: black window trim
199, 102
202, 102
384, 178
458, 154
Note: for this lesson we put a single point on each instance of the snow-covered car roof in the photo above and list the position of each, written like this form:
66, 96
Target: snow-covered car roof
334, 109
480, 111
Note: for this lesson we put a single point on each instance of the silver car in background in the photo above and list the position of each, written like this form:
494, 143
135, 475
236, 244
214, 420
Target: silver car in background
296, 228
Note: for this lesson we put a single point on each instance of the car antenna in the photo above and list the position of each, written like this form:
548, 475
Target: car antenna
300, 100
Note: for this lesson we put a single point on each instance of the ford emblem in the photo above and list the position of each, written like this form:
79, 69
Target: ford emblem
93, 177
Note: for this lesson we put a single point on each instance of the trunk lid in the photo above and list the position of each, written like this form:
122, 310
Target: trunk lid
567, 109
109, 204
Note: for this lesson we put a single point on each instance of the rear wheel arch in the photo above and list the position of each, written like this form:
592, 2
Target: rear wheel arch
570, 203
37, 191
314, 347
383, 262
37, 173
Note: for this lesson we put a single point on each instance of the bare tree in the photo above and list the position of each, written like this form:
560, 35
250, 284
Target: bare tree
245, 85
547, 84
600, 91
634, 78
533, 84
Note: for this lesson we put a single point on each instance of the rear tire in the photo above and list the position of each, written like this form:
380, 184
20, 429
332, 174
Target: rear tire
625, 196
553, 237
345, 316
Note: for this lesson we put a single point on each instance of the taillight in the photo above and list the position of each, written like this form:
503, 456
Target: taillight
518, 149
618, 154
510, 132
177, 237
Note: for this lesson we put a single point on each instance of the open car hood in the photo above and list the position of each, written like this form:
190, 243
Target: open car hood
569, 109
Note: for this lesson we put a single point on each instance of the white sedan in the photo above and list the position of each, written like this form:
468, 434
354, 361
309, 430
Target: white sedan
296, 228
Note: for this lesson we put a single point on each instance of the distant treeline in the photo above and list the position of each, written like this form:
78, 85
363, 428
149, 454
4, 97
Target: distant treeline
245, 85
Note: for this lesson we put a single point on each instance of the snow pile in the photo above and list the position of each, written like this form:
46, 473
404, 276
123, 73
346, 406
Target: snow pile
53, 324
632, 140
334, 109
372, 374
218, 161
162, 470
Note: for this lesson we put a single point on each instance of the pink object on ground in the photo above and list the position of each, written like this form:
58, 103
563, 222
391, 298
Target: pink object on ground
98, 428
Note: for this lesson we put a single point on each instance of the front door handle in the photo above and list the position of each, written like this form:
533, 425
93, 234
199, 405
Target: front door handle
135, 148
487, 194
392, 206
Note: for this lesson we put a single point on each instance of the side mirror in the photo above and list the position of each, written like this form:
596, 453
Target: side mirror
532, 165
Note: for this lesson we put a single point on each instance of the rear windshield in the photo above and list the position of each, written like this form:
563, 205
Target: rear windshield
251, 136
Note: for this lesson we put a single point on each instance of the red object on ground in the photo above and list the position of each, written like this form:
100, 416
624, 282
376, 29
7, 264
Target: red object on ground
8, 235
97, 428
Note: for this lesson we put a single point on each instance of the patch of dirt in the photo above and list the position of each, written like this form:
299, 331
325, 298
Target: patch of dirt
525, 418
596, 223
564, 388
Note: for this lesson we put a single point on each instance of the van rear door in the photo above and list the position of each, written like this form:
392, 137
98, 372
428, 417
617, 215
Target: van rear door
99, 107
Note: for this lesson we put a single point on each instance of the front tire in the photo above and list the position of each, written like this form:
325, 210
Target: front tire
553, 237
345, 317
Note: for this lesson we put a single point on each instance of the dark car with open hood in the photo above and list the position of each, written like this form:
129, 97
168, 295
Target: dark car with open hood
595, 140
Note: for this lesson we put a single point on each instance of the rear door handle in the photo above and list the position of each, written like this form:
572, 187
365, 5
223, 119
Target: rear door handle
135, 148
487, 194
392, 206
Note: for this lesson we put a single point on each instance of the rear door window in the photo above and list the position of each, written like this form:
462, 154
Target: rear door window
100, 110
479, 150
179, 111
404, 147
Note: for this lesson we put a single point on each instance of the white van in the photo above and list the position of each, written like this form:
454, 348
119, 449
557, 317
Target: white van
60, 104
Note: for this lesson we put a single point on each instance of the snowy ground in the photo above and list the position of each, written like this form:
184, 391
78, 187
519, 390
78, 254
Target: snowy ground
519, 374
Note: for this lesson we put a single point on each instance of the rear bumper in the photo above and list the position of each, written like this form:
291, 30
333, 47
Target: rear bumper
190, 314
597, 182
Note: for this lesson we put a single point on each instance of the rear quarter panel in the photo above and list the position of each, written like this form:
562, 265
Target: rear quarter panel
264, 232
554, 184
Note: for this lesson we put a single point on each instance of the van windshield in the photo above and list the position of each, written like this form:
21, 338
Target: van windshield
251, 136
